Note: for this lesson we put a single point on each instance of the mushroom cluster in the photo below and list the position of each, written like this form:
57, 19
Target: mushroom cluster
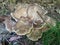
31, 20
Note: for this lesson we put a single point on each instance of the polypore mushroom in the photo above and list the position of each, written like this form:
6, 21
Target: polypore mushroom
31, 21
36, 31
20, 11
23, 26
28, 10
8, 22
35, 34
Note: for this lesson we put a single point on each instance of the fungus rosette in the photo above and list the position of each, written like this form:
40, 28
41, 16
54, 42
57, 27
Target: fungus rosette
31, 23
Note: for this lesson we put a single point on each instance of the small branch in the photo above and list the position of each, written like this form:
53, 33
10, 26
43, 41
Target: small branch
44, 20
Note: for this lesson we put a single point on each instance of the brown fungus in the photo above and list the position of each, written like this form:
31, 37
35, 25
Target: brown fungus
35, 34
28, 10
31, 21
23, 26
7, 21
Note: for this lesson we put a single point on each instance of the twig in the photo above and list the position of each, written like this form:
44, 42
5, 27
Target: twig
44, 20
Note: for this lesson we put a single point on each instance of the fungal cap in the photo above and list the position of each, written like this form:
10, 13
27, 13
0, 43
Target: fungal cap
35, 34
22, 27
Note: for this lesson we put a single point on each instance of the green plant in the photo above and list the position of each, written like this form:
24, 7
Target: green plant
52, 36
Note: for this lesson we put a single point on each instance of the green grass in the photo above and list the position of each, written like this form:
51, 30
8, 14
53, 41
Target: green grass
52, 36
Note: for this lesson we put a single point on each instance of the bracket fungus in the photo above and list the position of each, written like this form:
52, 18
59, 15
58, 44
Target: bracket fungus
35, 34
23, 26
31, 20
28, 10
7, 21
